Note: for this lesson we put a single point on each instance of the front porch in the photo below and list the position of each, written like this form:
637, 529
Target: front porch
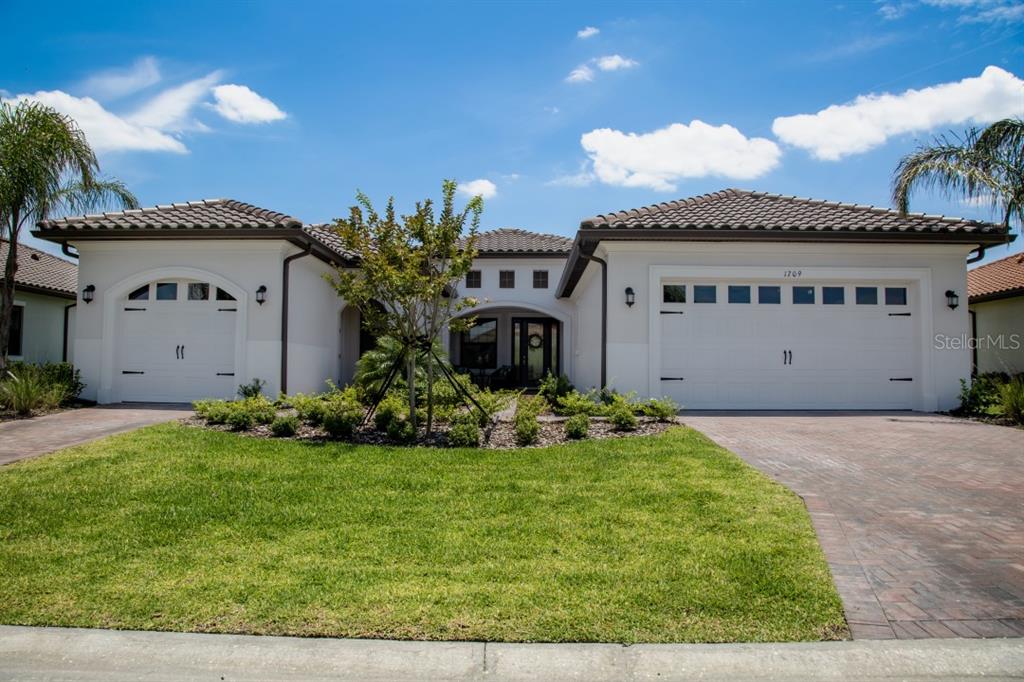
510, 347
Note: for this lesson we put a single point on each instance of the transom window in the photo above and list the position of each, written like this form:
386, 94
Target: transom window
803, 295
833, 295
507, 279
198, 291
769, 295
739, 293
223, 295
867, 296
540, 279
140, 294
895, 295
673, 293
705, 293
473, 279
167, 291
478, 347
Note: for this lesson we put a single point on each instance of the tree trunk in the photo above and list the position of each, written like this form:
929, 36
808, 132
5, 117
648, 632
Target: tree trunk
430, 396
411, 368
7, 287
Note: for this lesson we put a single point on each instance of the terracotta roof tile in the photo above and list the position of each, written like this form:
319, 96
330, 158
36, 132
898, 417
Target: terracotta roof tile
512, 240
736, 209
1003, 276
206, 214
41, 270
326, 235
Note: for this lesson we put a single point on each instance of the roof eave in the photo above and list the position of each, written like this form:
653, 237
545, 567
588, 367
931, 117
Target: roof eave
996, 296
43, 291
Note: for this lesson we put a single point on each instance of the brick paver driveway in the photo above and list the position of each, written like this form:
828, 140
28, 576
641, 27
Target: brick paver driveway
921, 516
25, 438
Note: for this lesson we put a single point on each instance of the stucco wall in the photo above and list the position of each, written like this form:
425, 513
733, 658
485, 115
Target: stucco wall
630, 264
314, 328
43, 331
1000, 335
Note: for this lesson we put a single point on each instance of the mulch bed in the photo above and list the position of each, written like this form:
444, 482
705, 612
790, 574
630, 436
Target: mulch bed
500, 436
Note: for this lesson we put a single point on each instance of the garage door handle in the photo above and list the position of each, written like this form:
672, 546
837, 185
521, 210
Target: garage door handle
128, 371
182, 351
673, 379
177, 352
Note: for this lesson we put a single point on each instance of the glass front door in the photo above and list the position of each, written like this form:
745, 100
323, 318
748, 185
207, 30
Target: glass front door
535, 348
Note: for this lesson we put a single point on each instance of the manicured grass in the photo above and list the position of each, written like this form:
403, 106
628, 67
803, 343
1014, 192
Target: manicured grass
651, 539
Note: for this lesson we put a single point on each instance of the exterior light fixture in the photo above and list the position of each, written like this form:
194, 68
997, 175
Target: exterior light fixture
630, 297
261, 294
952, 300
89, 293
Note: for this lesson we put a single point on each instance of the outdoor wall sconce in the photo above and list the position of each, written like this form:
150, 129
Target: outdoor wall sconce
89, 293
630, 297
261, 294
952, 300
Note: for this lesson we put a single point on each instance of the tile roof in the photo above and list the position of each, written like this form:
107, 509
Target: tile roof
206, 214
510, 240
998, 278
40, 270
326, 235
736, 209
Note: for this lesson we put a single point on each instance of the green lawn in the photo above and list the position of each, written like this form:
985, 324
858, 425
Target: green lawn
656, 539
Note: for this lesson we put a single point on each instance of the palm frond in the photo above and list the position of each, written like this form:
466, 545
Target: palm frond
79, 197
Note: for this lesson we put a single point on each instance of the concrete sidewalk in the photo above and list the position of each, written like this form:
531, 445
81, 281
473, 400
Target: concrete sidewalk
72, 654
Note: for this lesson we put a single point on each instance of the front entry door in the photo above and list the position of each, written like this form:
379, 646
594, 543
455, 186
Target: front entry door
535, 348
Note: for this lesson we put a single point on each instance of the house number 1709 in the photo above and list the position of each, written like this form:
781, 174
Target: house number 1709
793, 273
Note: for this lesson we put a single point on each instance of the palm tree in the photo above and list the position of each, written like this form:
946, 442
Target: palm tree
46, 165
985, 167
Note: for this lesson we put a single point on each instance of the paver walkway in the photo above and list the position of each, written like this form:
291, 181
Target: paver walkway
25, 438
921, 516
110, 656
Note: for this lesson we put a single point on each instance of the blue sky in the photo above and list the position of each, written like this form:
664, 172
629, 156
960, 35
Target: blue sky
564, 110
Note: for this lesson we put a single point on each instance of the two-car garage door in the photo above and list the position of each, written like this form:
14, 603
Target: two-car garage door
175, 343
785, 345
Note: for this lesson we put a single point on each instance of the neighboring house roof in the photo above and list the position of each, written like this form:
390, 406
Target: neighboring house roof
326, 235
41, 272
209, 218
1003, 278
510, 241
743, 215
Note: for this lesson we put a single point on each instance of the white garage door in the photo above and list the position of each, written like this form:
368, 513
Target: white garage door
780, 345
175, 343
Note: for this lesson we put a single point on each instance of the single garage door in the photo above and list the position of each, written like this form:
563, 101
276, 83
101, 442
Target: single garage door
175, 343
785, 345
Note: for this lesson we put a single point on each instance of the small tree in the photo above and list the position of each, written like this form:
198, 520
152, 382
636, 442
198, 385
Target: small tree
404, 286
46, 164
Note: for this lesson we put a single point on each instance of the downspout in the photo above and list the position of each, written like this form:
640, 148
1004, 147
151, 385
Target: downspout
67, 312
66, 250
974, 346
284, 314
979, 254
604, 315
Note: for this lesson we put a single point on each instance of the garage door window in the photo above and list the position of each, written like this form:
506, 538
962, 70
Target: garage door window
673, 293
833, 295
867, 296
770, 295
223, 295
198, 291
739, 293
705, 293
167, 291
803, 295
895, 295
140, 294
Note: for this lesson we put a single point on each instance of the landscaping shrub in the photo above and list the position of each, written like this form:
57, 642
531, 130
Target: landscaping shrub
392, 408
1011, 399
252, 389
577, 426
285, 426
574, 402
464, 431
54, 374
401, 431
526, 426
552, 387
491, 403
663, 409
262, 410
213, 411
622, 417
341, 418
240, 420
309, 408
978, 396
28, 390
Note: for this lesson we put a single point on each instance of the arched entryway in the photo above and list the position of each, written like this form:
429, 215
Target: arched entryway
356, 339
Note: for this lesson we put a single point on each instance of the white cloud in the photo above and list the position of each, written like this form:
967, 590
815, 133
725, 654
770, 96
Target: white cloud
240, 104
107, 132
582, 179
892, 11
581, 74
120, 82
480, 187
614, 62
870, 120
171, 109
663, 157
971, 11
587, 32
1000, 14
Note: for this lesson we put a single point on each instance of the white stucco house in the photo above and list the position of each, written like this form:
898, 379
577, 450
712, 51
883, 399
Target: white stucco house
44, 305
996, 296
730, 300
